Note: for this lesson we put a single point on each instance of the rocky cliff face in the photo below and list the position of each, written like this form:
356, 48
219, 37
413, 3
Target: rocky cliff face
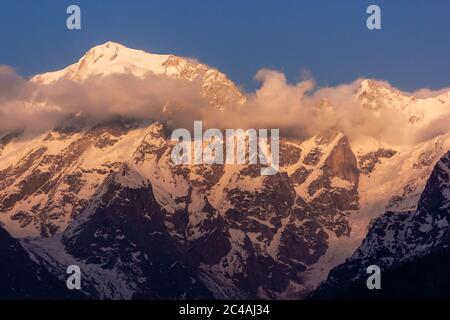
226, 228
401, 243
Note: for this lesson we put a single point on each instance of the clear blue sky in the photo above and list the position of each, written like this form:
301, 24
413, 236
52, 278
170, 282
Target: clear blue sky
328, 38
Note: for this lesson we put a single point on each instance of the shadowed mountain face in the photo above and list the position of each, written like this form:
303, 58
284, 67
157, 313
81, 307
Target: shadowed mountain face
125, 233
424, 277
412, 249
22, 278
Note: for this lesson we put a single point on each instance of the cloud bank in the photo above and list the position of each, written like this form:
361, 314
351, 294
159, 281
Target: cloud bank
299, 110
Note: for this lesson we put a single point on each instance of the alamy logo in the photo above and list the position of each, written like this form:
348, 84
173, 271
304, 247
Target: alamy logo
374, 20
73, 282
241, 146
73, 22
374, 280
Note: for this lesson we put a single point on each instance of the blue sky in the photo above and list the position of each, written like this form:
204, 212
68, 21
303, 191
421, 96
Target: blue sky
326, 38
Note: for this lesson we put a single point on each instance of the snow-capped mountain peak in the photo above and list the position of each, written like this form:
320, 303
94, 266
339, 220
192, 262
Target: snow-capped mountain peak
375, 95
114, 58
108, 58
420, 110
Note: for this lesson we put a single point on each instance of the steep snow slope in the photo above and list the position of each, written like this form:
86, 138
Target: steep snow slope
395, 182
397, 239
421, 111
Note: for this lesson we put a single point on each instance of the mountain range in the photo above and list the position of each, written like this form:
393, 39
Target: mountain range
104, 195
